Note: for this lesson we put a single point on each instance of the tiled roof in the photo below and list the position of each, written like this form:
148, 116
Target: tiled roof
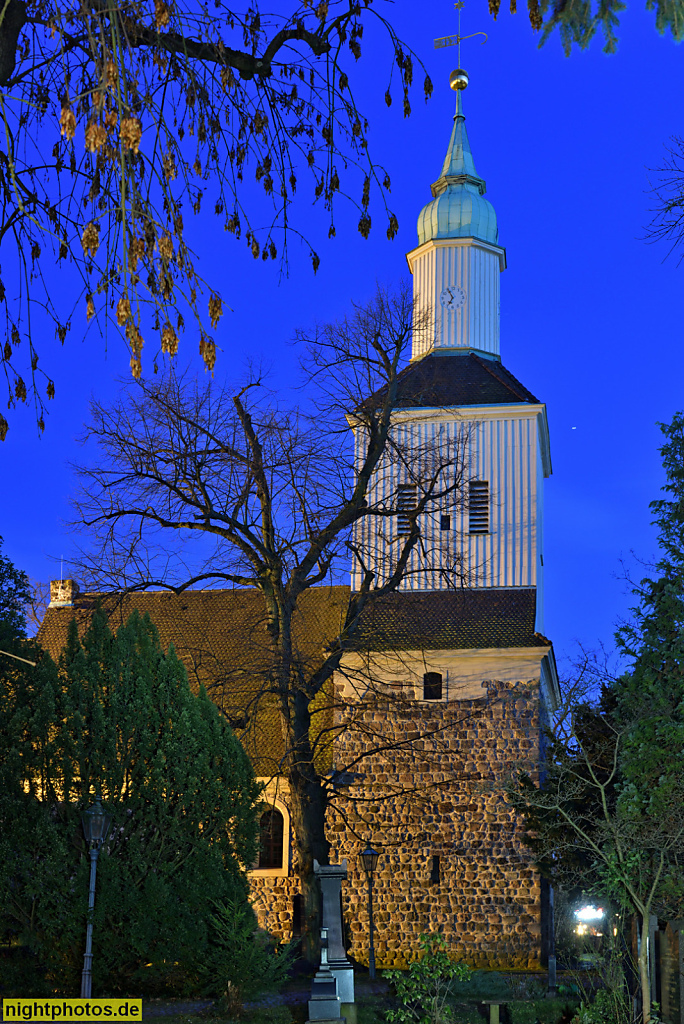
222, 639
452, 620
457, 379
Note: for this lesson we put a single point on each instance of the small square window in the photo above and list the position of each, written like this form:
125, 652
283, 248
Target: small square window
432, 686
445, 522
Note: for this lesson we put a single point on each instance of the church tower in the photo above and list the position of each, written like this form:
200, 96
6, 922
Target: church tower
457, 654
457, 386
458, 260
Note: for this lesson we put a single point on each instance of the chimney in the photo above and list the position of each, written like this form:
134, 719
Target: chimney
63, 593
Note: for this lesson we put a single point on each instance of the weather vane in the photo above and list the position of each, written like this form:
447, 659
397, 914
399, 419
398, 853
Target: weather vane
456, 40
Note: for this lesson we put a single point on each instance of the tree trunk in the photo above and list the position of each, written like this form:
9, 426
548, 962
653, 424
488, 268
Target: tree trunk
309, 802
308, 820
644, 975
311, 899
10, 27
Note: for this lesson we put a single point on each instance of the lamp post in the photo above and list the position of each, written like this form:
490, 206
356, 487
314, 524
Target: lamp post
370, 860
96, 824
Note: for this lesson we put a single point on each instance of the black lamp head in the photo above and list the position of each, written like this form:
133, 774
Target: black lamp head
369, 856
96, 823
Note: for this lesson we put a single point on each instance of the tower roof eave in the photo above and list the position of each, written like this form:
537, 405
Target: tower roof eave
434, 243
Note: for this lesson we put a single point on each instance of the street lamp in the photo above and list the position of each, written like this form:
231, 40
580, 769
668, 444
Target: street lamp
96, 824
370, 860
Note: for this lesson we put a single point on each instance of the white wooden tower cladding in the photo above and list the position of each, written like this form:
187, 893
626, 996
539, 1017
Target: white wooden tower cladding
456, 384
458, 260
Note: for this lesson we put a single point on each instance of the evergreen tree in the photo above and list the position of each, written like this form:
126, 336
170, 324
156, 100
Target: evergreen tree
117, 717
651, 697
28, 845
609, 816
649, 706
15, 594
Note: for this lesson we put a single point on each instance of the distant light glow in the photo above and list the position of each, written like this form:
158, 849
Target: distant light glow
589, 913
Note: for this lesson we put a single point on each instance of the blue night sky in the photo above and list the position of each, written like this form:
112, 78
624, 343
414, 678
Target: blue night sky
591, 317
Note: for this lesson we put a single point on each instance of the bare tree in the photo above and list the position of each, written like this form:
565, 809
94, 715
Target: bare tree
587, 836
277, 499
38, 605
119, 118
667, 224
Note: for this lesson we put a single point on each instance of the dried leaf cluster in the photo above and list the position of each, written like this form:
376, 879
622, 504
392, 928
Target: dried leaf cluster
121, 117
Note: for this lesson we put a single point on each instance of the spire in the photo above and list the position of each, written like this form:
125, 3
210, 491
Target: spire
458, 208
458, 167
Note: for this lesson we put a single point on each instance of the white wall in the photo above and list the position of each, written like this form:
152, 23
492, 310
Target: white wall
471, 265
504, 447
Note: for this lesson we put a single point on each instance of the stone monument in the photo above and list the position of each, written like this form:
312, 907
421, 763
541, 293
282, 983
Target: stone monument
324, 1005
330, 878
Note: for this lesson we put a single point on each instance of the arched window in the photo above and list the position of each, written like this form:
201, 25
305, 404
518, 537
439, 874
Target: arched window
432, 686
271, 839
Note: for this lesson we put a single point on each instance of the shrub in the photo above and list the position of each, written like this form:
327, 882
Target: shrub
240, 960
608, 1007
423, 990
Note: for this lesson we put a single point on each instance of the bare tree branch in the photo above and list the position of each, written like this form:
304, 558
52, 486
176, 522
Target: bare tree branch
229, 485
117, 119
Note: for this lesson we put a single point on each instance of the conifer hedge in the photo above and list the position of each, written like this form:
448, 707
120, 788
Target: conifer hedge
116, 716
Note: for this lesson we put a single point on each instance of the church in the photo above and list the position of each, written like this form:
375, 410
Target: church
462, 678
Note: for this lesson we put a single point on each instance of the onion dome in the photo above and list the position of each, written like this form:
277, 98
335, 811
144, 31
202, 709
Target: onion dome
459, 209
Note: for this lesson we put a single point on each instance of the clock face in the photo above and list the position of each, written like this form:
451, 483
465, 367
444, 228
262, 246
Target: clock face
452, 297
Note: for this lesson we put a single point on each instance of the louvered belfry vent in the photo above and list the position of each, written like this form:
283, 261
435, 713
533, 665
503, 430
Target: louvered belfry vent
478, 506
406, 502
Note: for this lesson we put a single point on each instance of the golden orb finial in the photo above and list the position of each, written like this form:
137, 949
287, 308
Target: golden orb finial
458, 79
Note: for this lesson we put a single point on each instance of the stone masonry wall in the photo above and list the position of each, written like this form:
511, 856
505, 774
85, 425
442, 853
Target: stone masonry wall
273, 902
487, 902
439, 796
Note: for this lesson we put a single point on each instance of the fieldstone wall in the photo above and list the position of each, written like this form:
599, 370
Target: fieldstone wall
442, 796
273, 900
438, 792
